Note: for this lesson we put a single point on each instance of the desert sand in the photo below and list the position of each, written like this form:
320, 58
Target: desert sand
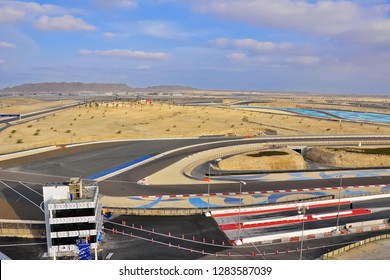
291, 160
27, 105
130, 120
340, 158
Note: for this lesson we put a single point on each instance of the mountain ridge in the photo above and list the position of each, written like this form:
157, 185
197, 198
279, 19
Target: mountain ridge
80, 87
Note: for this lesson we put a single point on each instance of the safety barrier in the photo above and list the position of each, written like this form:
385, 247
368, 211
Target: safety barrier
116, 211
294, 205
339, 251
314, 233
22, 228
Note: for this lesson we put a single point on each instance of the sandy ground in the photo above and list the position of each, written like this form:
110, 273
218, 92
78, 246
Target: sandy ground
159, 120
346, 159
21, 105
377, 250
290, 161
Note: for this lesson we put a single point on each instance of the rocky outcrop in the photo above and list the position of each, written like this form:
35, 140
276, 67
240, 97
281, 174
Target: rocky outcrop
342, 158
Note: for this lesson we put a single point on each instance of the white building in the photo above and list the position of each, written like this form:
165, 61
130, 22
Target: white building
72, 215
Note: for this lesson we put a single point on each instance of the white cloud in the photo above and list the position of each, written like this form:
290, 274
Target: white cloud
109, 35
11, 14
322, 16
143, 67
303, 60
6, 45
162, 29
86, 52
376, 32
237, 56
158, 29
253, 52
127, 54
339, 19
63, 23
2, 61
250, 45
110, 4
17, 11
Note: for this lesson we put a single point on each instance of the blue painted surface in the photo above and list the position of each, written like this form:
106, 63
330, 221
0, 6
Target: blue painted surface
173, 199
355, 173
119, 167
150, 205
258, 195
386, 189
355, 192
333, 114
233, 200
360, 116
199, 203
340, 114
135, 198
274, 197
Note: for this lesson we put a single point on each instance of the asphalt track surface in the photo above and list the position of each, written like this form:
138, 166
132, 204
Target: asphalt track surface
380, 210
92, 159
125, 247
28, 116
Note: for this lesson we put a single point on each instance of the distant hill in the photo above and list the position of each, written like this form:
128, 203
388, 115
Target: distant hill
168, 88
67, 88
85, 88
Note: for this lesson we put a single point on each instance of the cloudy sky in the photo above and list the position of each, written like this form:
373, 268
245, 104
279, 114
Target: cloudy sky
280, 45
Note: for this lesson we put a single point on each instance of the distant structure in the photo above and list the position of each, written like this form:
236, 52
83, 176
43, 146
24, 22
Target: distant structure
73, 219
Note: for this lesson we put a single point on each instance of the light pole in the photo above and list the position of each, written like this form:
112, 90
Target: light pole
239, 211
208, 189
302, 210
338, 206
208, 183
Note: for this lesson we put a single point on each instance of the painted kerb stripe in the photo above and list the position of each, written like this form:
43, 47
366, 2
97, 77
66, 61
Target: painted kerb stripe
114, 169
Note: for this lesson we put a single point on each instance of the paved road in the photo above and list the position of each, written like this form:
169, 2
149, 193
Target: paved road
125, 247
33, 115
88, 160
380, 210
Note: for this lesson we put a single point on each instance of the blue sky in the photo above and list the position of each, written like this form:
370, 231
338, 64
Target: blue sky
271, 45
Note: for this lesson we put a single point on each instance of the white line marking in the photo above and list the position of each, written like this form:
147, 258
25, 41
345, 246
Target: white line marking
30, 188
21, 195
